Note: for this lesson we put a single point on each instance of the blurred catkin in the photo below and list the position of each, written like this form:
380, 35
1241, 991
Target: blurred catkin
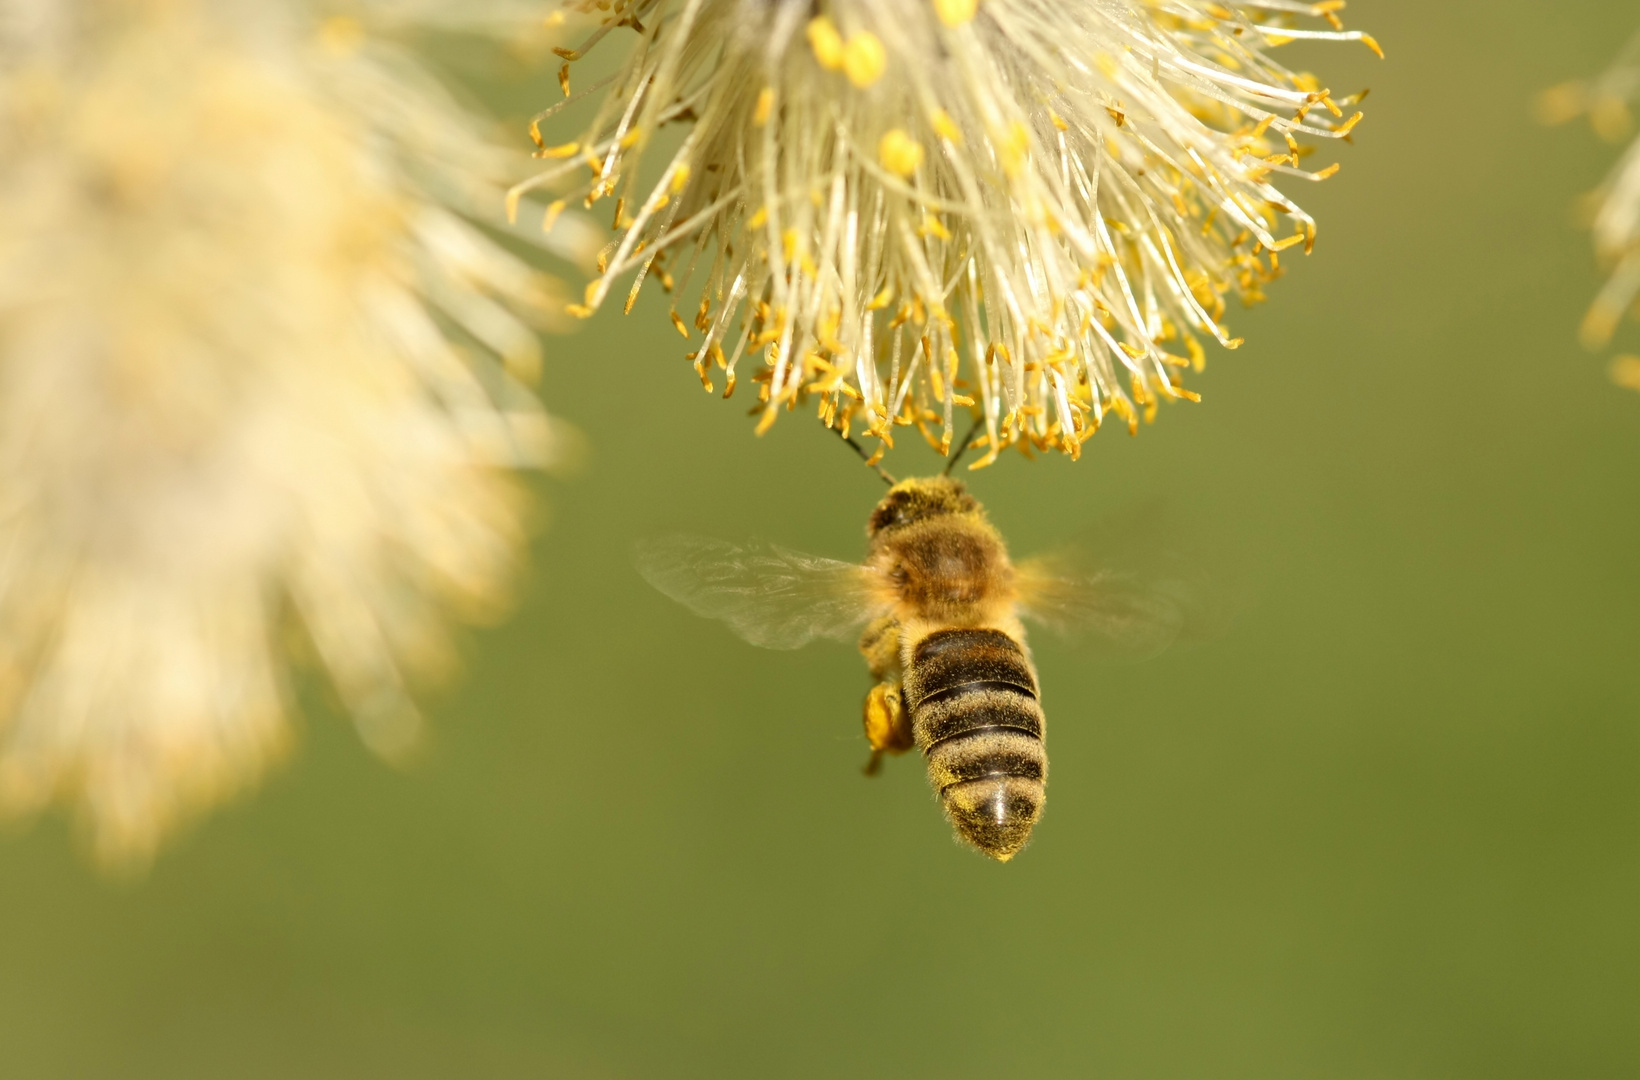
261, 383
901, 211
1607, 101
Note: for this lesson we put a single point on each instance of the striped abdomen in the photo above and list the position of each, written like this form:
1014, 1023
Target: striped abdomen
973, 701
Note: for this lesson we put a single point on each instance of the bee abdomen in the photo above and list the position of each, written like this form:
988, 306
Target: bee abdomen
975, 716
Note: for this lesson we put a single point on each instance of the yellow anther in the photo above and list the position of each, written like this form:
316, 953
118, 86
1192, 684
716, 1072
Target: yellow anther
765, 107
567, 150
677, 321
945, 127
900, 153
550, 218
956, 12
1014, 148
931, 227
864, 59
340, 35
757, 219
1372, 43
826, 42
1625, 372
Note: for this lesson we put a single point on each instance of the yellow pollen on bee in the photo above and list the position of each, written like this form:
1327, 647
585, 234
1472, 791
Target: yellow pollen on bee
900, 153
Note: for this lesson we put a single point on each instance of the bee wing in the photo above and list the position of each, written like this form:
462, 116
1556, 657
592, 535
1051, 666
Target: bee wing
771, 596
1125, 586
1118, 612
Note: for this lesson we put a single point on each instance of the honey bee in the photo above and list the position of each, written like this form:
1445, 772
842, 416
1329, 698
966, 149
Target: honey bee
941, 605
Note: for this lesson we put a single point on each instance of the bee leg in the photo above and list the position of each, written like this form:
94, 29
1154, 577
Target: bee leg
888, 728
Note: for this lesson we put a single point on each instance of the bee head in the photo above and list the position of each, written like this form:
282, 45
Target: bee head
917, 500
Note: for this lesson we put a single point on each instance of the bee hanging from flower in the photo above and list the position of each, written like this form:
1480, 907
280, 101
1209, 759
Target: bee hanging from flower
899, 211
936, 608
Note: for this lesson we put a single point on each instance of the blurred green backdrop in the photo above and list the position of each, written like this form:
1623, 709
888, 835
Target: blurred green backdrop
1388, 827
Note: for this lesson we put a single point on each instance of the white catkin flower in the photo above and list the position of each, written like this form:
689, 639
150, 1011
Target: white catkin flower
1616, 224
910, 209
260, 385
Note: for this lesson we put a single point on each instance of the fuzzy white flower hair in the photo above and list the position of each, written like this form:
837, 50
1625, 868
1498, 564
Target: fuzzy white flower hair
904, 210
1607, 101
261, 380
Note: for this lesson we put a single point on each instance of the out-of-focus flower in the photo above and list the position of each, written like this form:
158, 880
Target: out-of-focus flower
260, 384
912, 208
1616, 219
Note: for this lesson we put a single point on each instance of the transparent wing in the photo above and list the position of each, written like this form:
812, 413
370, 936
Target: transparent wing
1125, 588
1115, 612
771, 596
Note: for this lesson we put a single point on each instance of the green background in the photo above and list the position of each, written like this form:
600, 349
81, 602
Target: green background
1387, 827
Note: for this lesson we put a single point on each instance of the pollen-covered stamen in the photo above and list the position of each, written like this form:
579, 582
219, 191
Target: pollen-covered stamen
914, 209
1607, 102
